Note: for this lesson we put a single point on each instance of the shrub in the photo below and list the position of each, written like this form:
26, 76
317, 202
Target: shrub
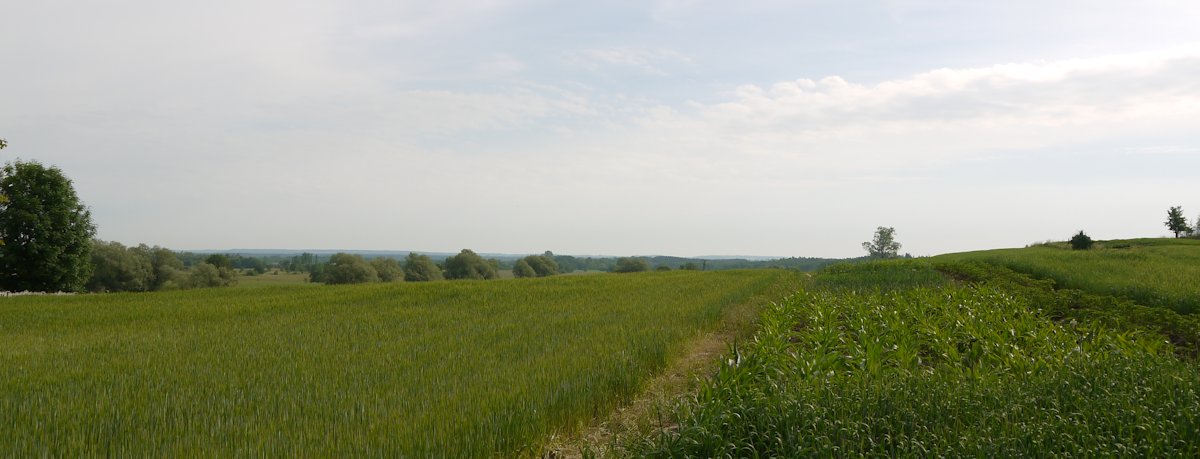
1081, 241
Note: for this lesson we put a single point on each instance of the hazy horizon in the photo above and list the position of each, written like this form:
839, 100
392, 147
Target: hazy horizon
764, 128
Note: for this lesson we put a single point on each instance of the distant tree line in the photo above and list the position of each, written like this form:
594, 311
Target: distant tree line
117, 268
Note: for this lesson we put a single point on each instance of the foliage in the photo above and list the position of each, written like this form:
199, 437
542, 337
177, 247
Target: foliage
346, 268
631, 265
167, 267
884, 244
1061, 304
388, 269
935, 371
1176, 222
542, 265
463, 369
522, 269
46, 230
1152, 272
205, 275
117, 268
419, 268
662, 268
690, 266
469, 265
1081, 241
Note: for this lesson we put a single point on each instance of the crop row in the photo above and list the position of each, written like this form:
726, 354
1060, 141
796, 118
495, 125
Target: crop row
935, 369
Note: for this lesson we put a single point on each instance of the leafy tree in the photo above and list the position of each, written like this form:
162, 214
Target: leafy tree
47, 232
168, 268
219, 260
631, 265
522, 269
542, 265
1081, 241
1176, 222
420, 268
3, 144
206, 275
388, 269
469, 265
690, 266
884, 244
662, 268
116, 268
345, 268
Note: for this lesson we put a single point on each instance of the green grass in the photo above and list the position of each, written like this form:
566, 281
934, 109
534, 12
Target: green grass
1153, 272
446, 369
928, 368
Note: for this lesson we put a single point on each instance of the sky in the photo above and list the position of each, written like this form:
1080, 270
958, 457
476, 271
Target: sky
672, 127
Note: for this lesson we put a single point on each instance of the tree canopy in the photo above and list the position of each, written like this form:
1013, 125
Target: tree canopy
388, 269
345, 268
469, 265
884, 244
46, 230
420, 268
631, 265
522, 269
117, 268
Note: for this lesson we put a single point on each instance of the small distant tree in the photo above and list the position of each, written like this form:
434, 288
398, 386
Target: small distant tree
1176, 221
522, 269
469, 265
345, 268
219, 260
631, 265
662, 268
884, 244
1081, 241
420, 268
388, 269
690, 266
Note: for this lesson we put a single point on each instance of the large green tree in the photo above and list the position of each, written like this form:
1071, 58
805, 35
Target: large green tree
884, 244
420, 268
469, 265
1176, 222
46, 230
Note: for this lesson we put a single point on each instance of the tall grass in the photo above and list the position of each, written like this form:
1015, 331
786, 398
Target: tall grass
445, 369
950, 370
1153, 272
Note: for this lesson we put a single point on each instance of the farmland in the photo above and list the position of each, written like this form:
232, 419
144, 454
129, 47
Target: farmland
899, 358
1152, 272
439, 368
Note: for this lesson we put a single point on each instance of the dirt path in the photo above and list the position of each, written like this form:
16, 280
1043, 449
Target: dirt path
649, 411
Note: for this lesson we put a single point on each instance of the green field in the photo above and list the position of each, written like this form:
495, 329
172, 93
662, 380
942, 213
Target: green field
444, 369
1153, 272
896, 359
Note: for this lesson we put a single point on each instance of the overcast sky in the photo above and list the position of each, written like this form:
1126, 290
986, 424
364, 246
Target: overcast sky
789, 128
